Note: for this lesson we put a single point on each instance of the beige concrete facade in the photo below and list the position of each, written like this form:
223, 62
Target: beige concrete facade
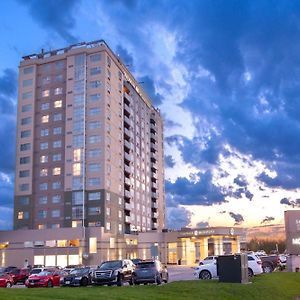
89, 144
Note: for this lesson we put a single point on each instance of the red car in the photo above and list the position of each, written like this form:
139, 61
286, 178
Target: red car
47, 278
6, 280
20, 275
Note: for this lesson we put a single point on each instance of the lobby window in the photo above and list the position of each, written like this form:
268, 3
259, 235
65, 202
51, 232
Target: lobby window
26, 121
44, 159
45, 93
57, 117
44, 146
56, 144
43, 186
25, 147
58, 91
45, 119
55, 213
56, 185
25, 133
44, 106
56, 171
95, 57
43, 172
56, 199
93, 245
94, 196
43, 200
58, 103
24, 173
57, 130
95, 71
27, 70
24, 187
44, 132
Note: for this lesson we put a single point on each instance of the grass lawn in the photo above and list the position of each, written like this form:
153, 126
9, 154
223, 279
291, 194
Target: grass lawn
266, 286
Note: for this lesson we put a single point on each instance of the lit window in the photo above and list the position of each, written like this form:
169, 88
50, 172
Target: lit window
56, 171
108, 211
120, 228
76, 224
107, 196
107, 225
76, 155
93, 244
20, 215
45, 119
58, 91
44, 159
58, 103
76, 169
45, 93
43, 172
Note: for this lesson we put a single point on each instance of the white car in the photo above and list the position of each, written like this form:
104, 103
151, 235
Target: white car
208, 260
209, 271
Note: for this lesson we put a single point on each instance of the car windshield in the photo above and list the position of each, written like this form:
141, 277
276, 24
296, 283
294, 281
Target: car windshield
79, 271
45, 273
115, 264
145, 265
35, 271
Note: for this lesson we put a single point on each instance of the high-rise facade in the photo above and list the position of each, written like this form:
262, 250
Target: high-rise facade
89, 144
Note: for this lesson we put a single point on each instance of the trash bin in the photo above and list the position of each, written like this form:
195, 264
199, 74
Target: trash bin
179, 261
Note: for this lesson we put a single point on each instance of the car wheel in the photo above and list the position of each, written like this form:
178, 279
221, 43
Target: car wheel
84, 281
204, 275
158, 279
120, 280
250, 273
8, 284
267, 268
50, 284
167, 278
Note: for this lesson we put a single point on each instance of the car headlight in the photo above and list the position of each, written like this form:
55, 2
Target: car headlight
78, 278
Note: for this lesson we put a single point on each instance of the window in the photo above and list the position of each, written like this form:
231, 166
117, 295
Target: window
44, 146
44, 132
95, 71
25, 133
93, 211
45, 119
57, 130
25, 147
76, 169
42, 214
56, 199
94, 111
108, 211
77, 198
77, 212
44, 106
108, 61
58, 91
46, 80
57, 117
94, 181
107, 225
28, 70
56, 185
78, 99
94, 153
94, 167
107, 196
78, 126
76, 155
59, 78
120, 214
94, 196
94, 124
79, 87
44, 159
120, 228
24, 200
43, 186
45, 93
95, 97
26, 121
26, 108
78, 141
24, 187
94, 139
78, 113
120, 201
56, 171
23, 215
58, 103
95, 84
43, 200
95, 57
59, 64
43, 172
55, 213
56, 157
77, 183
55, 226
27, 95
24, 173
56, 144
24, 160
93, 245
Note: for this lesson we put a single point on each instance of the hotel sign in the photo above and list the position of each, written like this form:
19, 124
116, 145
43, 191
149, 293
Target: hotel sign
197, 233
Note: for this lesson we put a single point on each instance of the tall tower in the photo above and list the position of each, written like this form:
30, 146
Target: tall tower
89, 144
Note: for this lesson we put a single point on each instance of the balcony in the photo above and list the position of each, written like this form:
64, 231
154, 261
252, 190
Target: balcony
127, 206
153, 156
154, 225
153, 128
154, 205
153, 135
127, 133
154, 175
127, 194
127, 219
154, 185
127, 169
128, 157
127, 109
127, 181
128, 122
153, 147
128, 145
154, 195
153, 166
155, 215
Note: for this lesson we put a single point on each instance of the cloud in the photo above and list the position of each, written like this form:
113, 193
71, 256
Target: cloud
126, 58
293, 203
238, 218
267, 220
169, 161
56, 15
178, 217
202, 224
148, 85
240, 181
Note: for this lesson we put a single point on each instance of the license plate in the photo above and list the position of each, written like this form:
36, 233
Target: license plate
67, 282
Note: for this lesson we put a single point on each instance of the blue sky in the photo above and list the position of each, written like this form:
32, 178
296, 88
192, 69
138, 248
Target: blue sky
225, 75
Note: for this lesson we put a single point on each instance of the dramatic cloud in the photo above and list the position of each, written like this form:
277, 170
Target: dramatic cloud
169, 161
238, 218
202, 225
293, 203
267, 220
240, 181
178, 217
148, 85
126, 58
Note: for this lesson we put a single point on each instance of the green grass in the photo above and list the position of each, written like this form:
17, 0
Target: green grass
266, 286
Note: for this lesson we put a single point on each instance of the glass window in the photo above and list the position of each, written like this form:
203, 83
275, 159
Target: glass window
78, 113
95, 71
94, 153
59, 64
59, 78
56, 144
95, 97
28, 70
94, 139
94, 124
107, 196
58, 91
56, 199
43, 200
45, 93
77, 212
77, 155
56, 185
44, 132
58, 103
94, 181
56, 157
57, 117
44, 106
25, 147
108, 211
79, 87
43, 186
24, 187
46, 80
76, 169
78, 126
44, 172
95, 84
57, 130
94, 111
78, 141
107, 225
26, 107
25, 133
78, 99
92, 211
24, 173
93, 245
94, 167
95, 57
55, 213
26, 121
45, 119
44, 158
24, 160
77, 182
56, 171
94, 196
42, 214
55, 226
77, 198
24, 200
44, 146
27, 95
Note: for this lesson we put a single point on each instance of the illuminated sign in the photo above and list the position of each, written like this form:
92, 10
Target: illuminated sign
296, 241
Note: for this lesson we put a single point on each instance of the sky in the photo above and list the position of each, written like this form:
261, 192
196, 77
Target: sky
225, 76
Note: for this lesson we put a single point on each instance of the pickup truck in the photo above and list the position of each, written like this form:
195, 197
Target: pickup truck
270, 262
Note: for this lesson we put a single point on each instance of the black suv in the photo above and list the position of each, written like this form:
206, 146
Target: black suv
114, 272
77, 277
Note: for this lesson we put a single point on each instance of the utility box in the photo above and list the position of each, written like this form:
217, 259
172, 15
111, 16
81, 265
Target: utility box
233, 268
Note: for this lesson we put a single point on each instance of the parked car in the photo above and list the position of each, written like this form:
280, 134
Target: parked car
150, 272
19, 275
36, 270
114, 272
47, 278
136, 260
6, 280
270, 262
209, 271
77, 277
70, 268
208, 260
